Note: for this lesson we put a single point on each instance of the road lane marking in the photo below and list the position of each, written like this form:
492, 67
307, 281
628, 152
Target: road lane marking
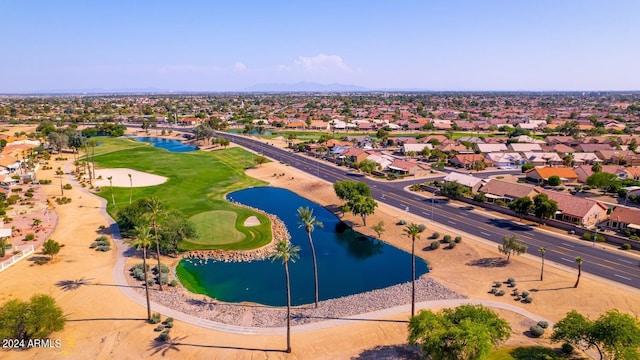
623, 277
569, 245
485, 234
626, 261
426, 213
451, 222
569, 260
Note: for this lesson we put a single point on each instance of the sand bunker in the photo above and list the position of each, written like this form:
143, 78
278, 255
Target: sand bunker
121, 178
252, 221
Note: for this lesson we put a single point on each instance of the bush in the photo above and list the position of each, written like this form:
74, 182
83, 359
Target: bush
435, 235
458, 239
528, 300
525, 293
33, 319
173, 283
159, 328
402, 222
511, 280
543, 324
29, 237
536, 331
447, 238
422, 227
163, 337
626, 246
452, 245
103, 248
164, 278
155, 318
45, 181
163, 268
67, 187
567, 348
93, 245
139, 266
435, 245
500, 293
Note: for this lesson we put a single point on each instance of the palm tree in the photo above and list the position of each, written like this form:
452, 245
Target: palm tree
412, 230
155, 207
113, 198
130, 188
142, 240
541, 251
579, 261
310, 222
286, 252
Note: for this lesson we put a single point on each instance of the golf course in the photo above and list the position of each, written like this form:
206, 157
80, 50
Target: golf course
196, 186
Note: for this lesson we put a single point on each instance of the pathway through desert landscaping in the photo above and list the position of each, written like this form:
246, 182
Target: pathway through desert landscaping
105, 324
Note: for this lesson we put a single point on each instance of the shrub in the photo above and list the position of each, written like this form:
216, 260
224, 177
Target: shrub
567, 348
422, 227
164, 278
626, 246
159, 328
452, 245
173, 283
36, 318
543, 324
497, 284
163, 337
511, 280
525, 293
458, 239
163, 268
155, 318
150, 282
29, 237
528, 299
447, 238
103, 248
45, 181
493, 290
536, 331
500, 293
93, 245
67, 187
435, 244
402, 222
139, 266
435, 235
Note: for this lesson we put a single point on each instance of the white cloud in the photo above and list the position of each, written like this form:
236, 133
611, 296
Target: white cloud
240, 66
321, 63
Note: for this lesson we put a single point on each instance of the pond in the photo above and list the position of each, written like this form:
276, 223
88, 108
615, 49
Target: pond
348, 262
168, 144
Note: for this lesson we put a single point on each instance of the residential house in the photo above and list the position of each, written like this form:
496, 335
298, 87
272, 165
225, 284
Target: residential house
416, 148
526, 139
539, 174
507, 191
353, 155
616, 156
542, 158
577, 210
9, 163
584, 171
491, 148
581, 158
565, 140
623, 218
504, 160
382, 160
524, 147
190, 121
406, 167
466, 161
561, 149
468, 181
592, 147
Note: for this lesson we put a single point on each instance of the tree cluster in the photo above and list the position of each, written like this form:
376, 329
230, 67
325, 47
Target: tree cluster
33, 319
173, 227
357, 194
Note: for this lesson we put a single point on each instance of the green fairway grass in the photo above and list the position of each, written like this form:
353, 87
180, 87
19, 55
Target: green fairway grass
197, 183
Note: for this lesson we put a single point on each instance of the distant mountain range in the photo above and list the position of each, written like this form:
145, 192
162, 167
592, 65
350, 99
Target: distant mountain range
304, 87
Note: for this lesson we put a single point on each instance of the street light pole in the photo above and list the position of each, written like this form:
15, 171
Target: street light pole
595, 233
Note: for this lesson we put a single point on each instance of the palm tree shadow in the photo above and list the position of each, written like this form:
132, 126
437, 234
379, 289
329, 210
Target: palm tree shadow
553, 289
164, 347
71, 285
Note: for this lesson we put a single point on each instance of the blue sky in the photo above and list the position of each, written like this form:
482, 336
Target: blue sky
227, 45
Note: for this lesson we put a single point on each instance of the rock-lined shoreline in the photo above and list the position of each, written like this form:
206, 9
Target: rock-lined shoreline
256, 315
278, 231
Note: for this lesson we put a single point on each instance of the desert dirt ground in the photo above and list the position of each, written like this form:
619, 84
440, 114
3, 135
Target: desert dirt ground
104, 324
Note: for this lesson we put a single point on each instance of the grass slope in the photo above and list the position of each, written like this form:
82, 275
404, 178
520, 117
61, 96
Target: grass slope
198, 182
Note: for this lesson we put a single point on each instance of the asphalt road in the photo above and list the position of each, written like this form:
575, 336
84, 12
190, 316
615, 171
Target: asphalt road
611, 264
